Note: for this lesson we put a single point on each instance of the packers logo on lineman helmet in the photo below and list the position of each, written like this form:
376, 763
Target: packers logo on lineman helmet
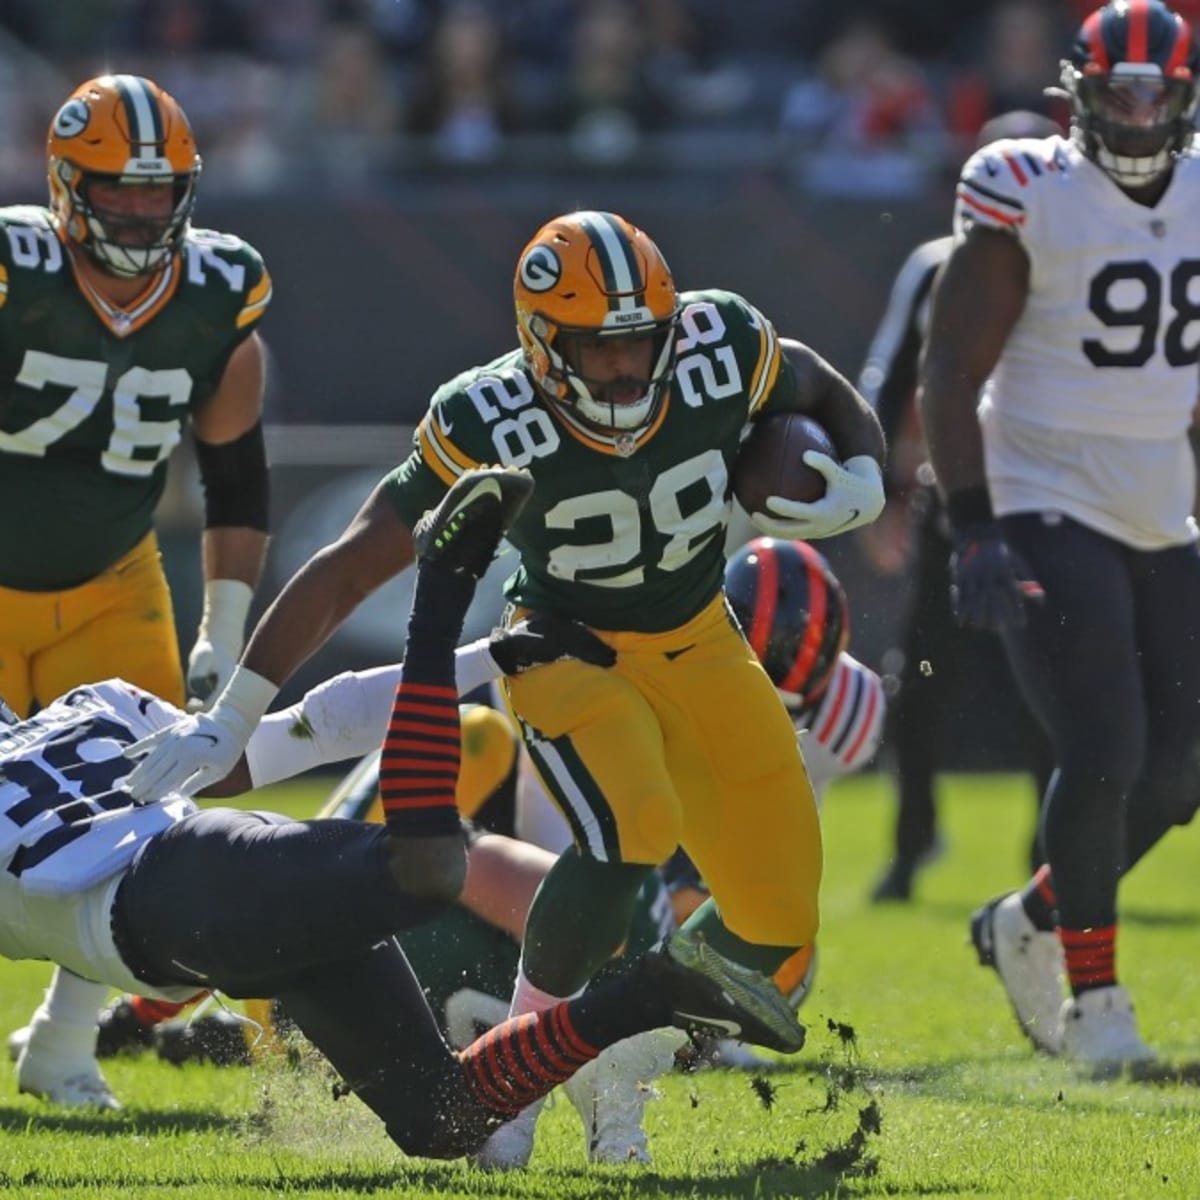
591, 275
121, 129
793, 612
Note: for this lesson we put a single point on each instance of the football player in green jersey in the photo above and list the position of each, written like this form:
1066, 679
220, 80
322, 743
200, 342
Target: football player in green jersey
626, 402
119, 324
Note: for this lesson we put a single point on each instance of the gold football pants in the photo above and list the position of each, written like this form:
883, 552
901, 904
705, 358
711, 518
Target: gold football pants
683, 742
120, 624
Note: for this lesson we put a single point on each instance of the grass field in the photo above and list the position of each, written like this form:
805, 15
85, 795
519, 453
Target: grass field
937, 1095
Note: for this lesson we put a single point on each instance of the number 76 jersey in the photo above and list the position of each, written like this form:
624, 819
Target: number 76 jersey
622, 533
93, 398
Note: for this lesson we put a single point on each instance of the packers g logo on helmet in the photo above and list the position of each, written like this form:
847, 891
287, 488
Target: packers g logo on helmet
589, 275
540, 269
72, 119
136, 134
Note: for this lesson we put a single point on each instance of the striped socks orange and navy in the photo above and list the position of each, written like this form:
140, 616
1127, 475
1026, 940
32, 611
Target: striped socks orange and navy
523, 1059
418, 771
1091, 956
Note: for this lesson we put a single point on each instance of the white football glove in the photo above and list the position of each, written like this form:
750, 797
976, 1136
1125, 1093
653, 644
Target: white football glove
201, 749
219, 640
853, 496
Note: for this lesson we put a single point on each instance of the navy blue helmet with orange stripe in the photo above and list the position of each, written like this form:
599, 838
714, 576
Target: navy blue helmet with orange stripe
793, 612
588, 275
121, 129
1131, 80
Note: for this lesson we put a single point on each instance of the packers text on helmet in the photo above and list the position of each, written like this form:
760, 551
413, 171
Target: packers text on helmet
588, 276
793, 612
1131, 80
122, 130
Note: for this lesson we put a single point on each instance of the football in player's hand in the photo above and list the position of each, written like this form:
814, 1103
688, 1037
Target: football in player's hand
770, 462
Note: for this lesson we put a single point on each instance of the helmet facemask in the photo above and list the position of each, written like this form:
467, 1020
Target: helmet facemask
129, 244
1131, 121
624, 403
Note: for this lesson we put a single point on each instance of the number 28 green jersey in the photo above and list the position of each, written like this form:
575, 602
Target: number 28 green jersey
624, 535
93, 398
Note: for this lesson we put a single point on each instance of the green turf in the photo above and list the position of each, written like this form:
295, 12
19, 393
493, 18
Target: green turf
937, 1095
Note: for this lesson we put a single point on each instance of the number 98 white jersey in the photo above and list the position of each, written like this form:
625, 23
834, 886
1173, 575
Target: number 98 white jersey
1086, 410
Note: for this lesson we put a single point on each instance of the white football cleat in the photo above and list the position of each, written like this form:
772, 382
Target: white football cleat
610, 1094
511, 1146
726, 1054
1030, 964
17, 1041
57, 1062
1098, 1029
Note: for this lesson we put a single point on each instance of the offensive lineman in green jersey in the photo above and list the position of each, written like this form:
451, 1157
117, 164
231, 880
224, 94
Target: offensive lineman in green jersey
627, 403
119, 323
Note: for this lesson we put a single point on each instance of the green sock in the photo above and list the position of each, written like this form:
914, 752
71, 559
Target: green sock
767, 959
578, 918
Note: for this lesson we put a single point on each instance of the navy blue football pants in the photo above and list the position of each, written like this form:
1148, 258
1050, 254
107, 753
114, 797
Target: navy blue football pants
253, 904
1111, 666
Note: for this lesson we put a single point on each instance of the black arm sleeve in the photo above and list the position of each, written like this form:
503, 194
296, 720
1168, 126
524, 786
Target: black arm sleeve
234, 478
889, 375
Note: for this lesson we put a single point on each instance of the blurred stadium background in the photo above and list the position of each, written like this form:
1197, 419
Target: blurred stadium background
389, 158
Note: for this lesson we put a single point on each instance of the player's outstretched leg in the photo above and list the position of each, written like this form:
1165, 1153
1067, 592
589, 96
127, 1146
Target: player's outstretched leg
683, 982
419, 763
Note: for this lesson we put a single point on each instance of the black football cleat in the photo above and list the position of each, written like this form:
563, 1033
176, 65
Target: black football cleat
120, 1031
714, 996
215, 1037
465, 529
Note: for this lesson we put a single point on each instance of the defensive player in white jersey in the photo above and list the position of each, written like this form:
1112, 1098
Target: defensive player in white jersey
1072, 298
160, 898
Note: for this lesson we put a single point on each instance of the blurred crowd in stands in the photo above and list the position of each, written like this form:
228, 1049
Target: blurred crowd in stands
857, 97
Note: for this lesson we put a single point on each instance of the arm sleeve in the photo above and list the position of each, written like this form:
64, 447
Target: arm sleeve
344, 717
889, 375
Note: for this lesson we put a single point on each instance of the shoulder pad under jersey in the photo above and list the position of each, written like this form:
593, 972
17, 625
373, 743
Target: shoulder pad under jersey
468, 413
715, 321
999, 184
229, 267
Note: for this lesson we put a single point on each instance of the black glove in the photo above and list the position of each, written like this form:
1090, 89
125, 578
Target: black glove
545, 638
990, 581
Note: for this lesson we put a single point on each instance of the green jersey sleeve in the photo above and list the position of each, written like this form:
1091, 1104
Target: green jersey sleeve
479, 418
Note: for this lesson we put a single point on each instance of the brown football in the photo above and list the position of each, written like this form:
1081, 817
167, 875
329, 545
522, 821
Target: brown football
770, 462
